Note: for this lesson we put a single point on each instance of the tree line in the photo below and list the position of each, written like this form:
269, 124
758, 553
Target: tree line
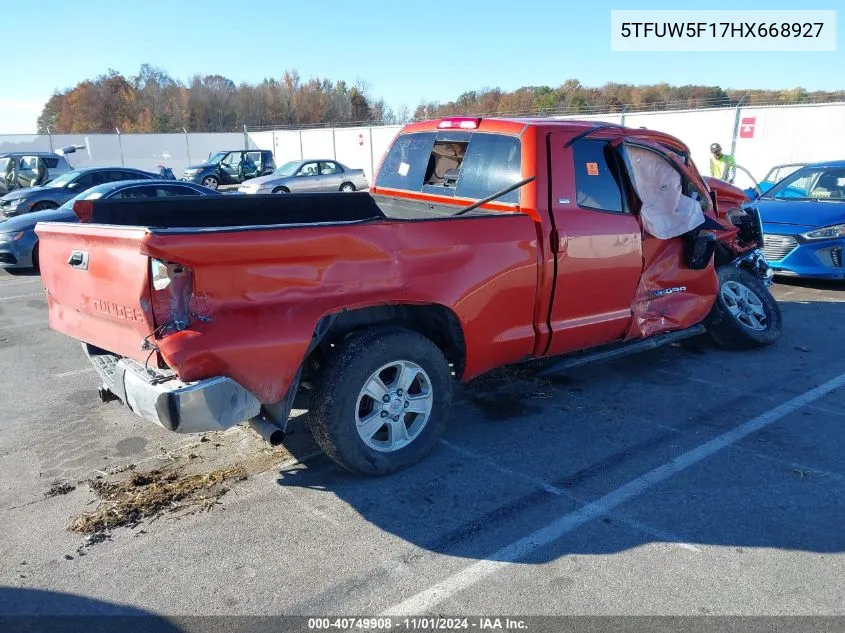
573, 98
152, 101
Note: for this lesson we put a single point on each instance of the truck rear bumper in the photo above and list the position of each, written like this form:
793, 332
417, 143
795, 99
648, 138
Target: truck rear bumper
213, 404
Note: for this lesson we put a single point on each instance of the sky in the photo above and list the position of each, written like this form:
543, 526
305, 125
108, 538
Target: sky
406, 52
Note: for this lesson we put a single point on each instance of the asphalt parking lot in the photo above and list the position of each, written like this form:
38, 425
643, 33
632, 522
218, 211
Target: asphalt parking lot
687, 480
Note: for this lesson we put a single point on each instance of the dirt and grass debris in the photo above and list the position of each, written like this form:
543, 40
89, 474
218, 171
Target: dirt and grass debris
60, 487
178, 488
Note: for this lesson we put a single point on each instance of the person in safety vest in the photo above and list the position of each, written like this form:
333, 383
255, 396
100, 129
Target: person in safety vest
721, 164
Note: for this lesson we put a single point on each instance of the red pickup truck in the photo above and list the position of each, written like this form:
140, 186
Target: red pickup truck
483, 242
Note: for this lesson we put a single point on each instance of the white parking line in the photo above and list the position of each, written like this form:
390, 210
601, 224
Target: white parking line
543, 485
717, 385
518, 550
562, 492
32, 294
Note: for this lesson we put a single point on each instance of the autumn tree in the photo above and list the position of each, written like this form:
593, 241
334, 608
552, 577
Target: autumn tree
152, 101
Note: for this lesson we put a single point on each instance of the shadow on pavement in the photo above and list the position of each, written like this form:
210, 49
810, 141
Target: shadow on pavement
816, 284
23, 609
501, 474
20, 272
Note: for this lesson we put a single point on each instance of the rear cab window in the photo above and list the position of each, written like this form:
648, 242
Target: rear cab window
461, 164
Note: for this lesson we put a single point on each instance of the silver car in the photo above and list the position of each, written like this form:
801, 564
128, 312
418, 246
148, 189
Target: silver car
19, 170
306, 176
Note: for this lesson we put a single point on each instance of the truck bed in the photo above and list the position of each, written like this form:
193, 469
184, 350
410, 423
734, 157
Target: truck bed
261, 210
233, 210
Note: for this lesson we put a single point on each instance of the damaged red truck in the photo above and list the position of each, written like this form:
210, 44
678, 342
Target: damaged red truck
484, 242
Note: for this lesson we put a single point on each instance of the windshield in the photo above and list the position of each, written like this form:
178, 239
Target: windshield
213, 160
4, 163
91, 194
782, 171
810, 183
288, 168
62, 180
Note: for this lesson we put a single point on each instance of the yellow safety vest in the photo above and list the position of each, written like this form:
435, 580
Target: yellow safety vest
719, 166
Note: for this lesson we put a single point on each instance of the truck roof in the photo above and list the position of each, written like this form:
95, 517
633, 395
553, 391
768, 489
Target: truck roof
518, 126
22, 153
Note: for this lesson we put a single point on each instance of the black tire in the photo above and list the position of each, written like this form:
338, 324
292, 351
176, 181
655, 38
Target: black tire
337, 399
211, 182
281, 190
347, 187
734, 332
36, 265
43, 206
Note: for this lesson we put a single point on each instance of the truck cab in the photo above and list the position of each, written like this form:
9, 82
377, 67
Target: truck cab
600, 264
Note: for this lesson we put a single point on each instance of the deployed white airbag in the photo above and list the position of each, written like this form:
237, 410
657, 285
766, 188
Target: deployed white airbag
666, 211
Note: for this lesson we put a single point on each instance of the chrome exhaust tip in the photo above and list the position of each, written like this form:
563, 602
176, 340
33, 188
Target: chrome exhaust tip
269, 432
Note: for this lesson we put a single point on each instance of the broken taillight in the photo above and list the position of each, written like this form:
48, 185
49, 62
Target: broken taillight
171, 288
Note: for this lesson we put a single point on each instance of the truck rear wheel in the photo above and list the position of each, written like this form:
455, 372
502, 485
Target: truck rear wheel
383, 400
745, 314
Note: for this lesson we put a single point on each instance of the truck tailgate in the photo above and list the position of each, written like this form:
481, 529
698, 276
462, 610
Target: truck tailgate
97, 284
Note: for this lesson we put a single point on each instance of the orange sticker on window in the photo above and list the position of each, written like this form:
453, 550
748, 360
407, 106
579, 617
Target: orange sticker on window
592, 169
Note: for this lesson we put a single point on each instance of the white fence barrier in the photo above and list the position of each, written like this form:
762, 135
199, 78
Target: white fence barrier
143, 151
697, 128
760, 137
773, 135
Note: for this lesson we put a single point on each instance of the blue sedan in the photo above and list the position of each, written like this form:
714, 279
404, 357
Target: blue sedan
19, 243
804, 222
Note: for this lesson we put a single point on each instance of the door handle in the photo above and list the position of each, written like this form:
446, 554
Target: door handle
78, 260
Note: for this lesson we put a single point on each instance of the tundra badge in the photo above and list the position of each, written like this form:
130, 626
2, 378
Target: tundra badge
668, 291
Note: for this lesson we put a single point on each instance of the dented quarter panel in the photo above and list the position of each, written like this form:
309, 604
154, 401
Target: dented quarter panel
264, 290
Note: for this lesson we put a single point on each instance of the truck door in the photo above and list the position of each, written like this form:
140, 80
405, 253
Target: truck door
229, 168
331, 176
31, 171
307, 178
672, 203
599, 256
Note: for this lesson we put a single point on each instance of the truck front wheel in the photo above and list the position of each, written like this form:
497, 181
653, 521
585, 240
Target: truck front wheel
745, 313
383, 400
